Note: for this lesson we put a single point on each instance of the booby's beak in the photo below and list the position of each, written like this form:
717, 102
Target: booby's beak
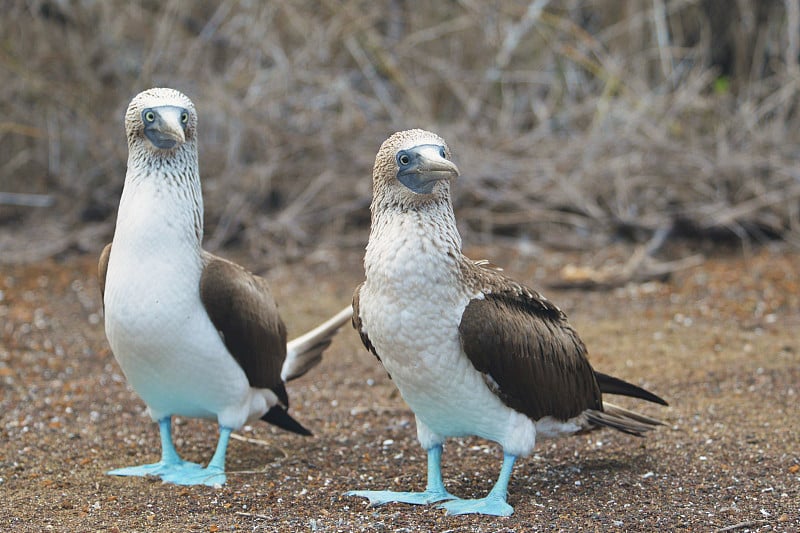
422, 166
165, 126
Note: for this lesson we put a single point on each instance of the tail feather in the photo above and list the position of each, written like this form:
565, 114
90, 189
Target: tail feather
305, 352
279, 416
611, 385
622, 412
622, 420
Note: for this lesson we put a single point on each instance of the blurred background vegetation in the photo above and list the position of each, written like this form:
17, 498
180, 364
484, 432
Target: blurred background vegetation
575, 123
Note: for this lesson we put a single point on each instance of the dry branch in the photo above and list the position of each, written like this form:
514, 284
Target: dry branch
640, 267
568, 124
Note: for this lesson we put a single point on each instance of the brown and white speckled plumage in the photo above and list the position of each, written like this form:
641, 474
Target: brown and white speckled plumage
472, 351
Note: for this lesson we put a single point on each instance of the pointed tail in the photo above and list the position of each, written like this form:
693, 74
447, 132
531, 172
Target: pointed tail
304, 352
611, 385
279, 416
620, 418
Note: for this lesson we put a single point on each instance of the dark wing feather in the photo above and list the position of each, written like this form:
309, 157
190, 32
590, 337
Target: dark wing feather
611, 385
527, 347
102, 270
243, 310
358, 325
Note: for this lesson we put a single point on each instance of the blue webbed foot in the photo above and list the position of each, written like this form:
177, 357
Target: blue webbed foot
381, 497
210, 476
494, 503
160, 469
213, 474
490, 505
434, 490
170, 463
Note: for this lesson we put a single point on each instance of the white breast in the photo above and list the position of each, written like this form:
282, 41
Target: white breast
411, 306
155, 322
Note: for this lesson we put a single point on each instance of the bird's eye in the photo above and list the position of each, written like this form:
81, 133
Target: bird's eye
442, 153
184, 118
403, 159
149, 116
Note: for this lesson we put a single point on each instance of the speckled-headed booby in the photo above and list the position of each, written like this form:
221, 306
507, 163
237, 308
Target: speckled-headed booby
471, 351
196, 335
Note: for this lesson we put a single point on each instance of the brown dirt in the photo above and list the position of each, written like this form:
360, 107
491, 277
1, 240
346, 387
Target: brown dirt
720, 342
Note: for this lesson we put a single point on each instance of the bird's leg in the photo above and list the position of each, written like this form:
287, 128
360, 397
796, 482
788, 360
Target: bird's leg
494, 503
213, 474
170, 460
434, 491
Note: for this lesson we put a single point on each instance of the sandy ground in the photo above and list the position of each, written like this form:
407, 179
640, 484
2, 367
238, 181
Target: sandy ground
720, 342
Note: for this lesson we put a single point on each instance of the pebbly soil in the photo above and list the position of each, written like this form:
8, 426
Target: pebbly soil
721, 342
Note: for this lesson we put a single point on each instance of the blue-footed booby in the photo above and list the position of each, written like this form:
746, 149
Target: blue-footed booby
471, 351
196, 335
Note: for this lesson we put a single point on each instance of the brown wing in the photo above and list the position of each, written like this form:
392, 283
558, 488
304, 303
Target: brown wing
358, 325
243, 310
102, 269
536, 361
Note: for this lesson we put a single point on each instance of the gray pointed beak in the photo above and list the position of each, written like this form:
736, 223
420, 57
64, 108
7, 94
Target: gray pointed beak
421, 167
163, 126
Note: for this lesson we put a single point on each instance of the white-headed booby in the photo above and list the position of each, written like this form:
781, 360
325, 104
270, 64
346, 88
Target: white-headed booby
195, 335
471, 351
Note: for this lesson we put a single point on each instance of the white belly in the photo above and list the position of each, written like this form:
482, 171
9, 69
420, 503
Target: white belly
412, 320
171, 354
166, 345
155, 321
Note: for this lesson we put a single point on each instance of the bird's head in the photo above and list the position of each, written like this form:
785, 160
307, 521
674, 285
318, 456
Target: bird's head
413, 166
160, 120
